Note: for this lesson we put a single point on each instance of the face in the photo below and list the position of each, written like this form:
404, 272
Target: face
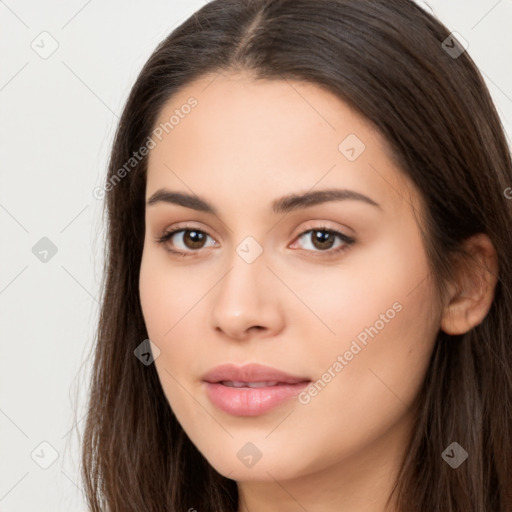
333, 291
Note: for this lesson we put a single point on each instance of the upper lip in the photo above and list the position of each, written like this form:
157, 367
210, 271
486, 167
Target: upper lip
250, 373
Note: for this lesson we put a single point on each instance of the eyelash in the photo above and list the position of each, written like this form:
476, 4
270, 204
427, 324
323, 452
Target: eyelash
347, 241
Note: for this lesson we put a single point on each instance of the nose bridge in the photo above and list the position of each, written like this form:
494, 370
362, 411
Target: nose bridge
243, 299
242, 286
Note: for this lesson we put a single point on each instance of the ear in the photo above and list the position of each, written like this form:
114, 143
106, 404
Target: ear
472, 292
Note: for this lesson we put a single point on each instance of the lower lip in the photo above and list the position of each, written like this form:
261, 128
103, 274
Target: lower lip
251, 401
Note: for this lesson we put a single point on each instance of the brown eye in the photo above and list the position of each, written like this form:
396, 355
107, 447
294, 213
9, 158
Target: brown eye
194, 239
185, 241
323, 240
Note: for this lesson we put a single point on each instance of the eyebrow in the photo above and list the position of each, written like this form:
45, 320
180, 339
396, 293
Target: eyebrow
282, 205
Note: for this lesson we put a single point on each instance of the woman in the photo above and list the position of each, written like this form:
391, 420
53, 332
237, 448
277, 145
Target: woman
307, 302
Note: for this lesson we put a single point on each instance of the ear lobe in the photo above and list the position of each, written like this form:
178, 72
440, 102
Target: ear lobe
472, 293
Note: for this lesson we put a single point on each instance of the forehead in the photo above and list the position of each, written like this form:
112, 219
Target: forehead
270, 137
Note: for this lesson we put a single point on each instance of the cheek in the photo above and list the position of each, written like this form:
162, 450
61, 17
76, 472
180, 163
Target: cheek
366, 290
368, 382
155, 299
382, 309
167, 293
169, 300
162, 307
386, 322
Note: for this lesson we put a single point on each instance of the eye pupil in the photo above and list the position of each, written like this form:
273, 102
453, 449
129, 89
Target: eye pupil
324, 238
196, 238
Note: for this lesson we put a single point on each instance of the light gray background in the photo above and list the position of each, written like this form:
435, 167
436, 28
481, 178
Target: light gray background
58, 116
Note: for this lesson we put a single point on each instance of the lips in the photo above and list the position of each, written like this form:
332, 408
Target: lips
251, 373
252, 389
236, 384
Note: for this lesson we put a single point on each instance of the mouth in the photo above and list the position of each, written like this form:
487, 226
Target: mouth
251, 390
237, 384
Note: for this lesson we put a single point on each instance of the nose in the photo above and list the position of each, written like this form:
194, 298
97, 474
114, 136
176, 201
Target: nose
246, 302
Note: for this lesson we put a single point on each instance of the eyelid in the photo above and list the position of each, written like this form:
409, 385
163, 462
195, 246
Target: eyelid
319, 225
314, 226
185, 226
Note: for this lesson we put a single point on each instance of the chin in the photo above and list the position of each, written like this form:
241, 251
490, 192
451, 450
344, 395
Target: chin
265, 469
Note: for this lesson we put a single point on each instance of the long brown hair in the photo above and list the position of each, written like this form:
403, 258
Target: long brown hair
389, 60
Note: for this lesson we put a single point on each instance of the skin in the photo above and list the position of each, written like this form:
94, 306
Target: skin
295, 308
